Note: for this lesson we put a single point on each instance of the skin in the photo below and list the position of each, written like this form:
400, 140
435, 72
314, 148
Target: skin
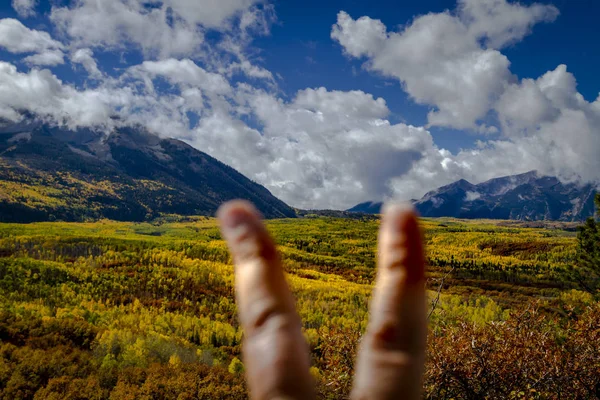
276, 356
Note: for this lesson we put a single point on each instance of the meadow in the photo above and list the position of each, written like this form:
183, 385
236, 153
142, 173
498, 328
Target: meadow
115, 310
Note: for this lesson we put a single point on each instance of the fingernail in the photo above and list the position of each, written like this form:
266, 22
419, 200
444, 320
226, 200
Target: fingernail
240, 227
235, 218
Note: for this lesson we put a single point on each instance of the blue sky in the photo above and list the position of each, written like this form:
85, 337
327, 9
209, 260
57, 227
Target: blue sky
300, 49
304, 54
325, 103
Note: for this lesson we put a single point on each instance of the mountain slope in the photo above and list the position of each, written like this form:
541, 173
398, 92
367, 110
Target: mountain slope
368, 207
526, 196
49, 173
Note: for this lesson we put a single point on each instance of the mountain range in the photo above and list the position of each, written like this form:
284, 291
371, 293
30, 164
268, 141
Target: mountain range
52, 173
528, 196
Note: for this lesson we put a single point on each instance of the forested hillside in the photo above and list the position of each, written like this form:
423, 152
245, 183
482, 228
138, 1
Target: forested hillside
49, 173
114, 310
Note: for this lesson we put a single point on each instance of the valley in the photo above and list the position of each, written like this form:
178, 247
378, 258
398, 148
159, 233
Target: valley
146, 310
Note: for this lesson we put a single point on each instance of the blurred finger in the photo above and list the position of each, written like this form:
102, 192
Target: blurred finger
392, 353
274, 350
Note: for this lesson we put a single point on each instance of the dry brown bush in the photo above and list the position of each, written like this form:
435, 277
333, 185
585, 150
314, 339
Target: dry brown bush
532, 355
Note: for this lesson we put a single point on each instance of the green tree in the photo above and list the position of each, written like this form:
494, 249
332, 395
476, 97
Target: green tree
588, 253
236, 367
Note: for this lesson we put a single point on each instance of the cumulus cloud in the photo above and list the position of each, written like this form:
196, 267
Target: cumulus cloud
47, 57
323, 148
437, 61
249, 69
355, 103
183, 72
161, 29
361, 37
25, 8
114, 24
452, 61
211, 13
558, 127
524, 96
42, 93
501, 23
17, 38
447, 60
563, 141
85, 57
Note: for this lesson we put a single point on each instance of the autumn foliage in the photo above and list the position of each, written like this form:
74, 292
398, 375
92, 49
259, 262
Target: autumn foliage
113, 310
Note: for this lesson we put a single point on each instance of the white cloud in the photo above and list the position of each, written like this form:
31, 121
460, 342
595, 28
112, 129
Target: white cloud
41, 92
183, 72
501, 23
437, 61
48, 58
472, 196
560, 87
354, 104
25, 8
524, 106
161, 29
562, 126
323, 149
524, 96
17, 38
250, 70
449, 61
210, 13
38, 91
564, 145
85, 57
361, 37
116, 23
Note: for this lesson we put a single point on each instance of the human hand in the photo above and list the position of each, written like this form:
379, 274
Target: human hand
391, 355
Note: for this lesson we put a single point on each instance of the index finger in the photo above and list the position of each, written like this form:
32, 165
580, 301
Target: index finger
274, 350
391, 357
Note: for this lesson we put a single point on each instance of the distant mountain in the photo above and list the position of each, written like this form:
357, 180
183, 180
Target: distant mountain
51, 173
369, 207
527, 197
